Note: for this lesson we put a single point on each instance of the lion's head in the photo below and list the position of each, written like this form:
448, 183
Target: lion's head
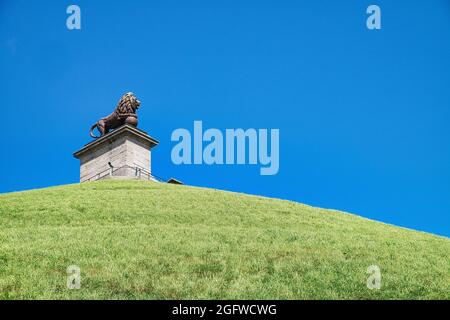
128, 103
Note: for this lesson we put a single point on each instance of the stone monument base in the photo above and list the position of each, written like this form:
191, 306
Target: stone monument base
123, 153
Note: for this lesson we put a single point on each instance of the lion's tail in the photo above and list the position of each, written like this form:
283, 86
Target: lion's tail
91, 132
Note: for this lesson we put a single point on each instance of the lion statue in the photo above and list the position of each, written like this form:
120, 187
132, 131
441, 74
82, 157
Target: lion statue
125, 113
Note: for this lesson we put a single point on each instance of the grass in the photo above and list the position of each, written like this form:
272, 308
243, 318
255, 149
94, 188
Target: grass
146, 240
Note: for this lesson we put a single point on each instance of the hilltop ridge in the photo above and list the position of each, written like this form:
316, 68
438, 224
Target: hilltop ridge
149, 240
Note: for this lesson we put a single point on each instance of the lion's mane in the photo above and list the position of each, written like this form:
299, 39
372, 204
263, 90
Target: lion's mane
127, 104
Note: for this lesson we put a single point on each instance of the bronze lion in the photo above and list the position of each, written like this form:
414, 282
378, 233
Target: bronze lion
125, 113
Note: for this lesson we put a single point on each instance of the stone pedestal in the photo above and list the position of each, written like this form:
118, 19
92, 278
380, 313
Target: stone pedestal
123, 153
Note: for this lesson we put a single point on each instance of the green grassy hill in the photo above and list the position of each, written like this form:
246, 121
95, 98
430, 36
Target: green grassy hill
146, 240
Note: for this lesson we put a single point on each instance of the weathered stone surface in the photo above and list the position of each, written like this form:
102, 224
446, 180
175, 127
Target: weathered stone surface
127, 149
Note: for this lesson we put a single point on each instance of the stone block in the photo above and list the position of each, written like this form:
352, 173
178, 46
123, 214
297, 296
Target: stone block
123, 153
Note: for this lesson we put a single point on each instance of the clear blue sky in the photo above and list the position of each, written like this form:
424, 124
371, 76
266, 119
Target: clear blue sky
364, 116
